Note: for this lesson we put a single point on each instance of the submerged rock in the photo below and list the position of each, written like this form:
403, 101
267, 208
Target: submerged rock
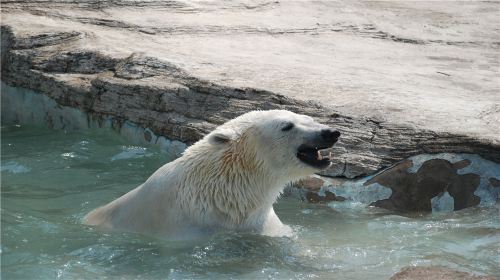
495, 182
313, 189
414, 191
435, 272
326, 197
438, 182
311, 183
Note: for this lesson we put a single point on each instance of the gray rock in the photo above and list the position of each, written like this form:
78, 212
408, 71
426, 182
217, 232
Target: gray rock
435, 272
180, 68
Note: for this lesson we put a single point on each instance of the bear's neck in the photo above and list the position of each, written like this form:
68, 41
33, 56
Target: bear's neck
233, 185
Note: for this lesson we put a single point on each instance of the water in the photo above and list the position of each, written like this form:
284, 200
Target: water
51, 179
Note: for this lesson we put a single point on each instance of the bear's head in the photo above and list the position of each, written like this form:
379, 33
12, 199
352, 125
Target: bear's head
289, 144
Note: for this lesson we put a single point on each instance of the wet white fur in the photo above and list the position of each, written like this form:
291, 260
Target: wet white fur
229, 180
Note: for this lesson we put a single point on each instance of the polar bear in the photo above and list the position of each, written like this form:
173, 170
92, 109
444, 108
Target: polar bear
229, 180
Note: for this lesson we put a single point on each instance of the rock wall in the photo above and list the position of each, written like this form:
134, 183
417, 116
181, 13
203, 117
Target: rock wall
398, 79
437, 182
174, 104
22, 106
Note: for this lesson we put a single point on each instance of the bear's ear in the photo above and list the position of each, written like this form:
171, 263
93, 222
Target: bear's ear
222, 136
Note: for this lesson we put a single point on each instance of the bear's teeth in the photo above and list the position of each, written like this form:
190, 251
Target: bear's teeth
320, 157
330, 155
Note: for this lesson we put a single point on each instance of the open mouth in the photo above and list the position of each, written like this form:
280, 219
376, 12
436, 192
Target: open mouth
318, 157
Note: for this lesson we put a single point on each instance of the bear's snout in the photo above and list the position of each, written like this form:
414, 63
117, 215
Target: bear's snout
330, 135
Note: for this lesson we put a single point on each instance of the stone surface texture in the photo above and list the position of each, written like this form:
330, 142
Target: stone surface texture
397, 78
435, 273
23, 106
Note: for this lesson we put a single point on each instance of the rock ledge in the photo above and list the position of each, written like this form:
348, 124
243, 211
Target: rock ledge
138, 61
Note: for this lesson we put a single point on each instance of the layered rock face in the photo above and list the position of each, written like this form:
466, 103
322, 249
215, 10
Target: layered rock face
396, 78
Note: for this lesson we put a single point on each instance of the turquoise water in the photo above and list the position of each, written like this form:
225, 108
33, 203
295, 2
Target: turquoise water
51, 179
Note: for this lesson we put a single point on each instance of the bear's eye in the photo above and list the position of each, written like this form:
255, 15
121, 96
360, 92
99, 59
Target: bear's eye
287, 127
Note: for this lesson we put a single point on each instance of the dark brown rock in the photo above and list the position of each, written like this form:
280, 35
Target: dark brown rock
312, 184
495, 182
414, 191
461, 164
314, 197
435, 273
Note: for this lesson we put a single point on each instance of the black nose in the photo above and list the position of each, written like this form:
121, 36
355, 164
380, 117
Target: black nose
330, 135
